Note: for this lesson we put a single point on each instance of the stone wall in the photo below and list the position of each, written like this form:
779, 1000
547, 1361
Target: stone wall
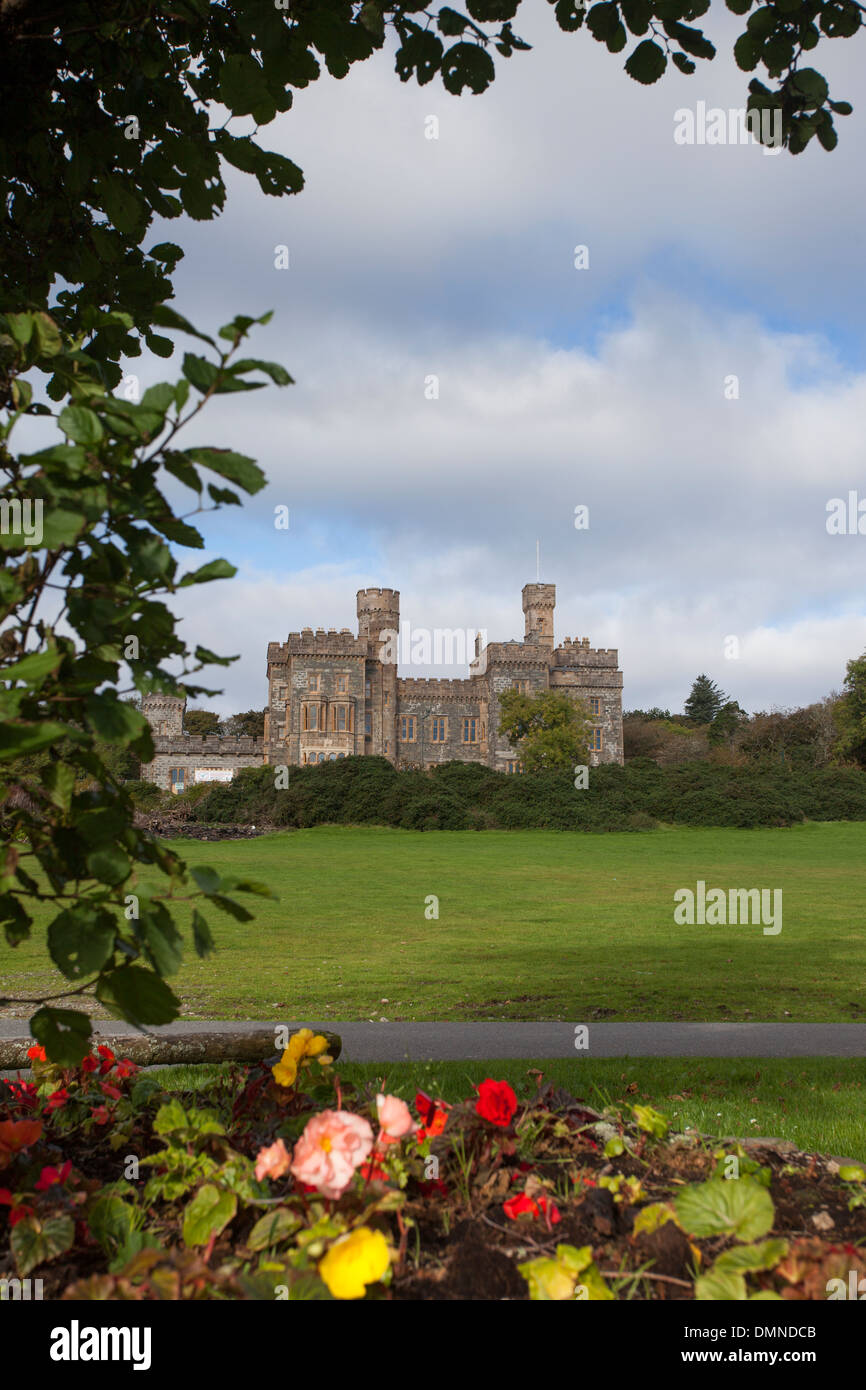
193, 752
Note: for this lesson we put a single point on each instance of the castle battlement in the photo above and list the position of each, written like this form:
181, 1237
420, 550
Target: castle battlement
419, 688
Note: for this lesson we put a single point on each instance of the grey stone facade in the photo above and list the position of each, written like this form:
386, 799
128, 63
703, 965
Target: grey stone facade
333, 694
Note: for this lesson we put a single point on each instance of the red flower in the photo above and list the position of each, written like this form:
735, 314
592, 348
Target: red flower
496, 1102
37, 1053
126, 1068
19, 1208
374, 1172
433, 1113
89, 1064
519, 1206
523, 1205
25, 1093
49, 1176
108, 1090
107, 1059
433, 1187
57, 1099
101, 1114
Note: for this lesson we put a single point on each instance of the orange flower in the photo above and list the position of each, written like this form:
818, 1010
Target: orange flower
16, 1135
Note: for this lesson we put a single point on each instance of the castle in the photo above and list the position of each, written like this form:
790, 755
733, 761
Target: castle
334, 695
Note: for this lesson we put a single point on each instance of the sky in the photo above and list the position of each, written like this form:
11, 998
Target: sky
697, 382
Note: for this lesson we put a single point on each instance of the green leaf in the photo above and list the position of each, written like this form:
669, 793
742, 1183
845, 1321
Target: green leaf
239, 469
166, 252
201, 373
58, 779
138, 995
109, 865
215, 569
114, 721
746, 1258
64, 1033
201, 935
208, 880
170, 1117
736, 1206
167, 317
274, 370
242, 83
209, 1212
467, 65
81, 940
720, 1285
852, 1172
80, 424
812, 84
112, 1221
33, 1241
275, 1226
647, 63
33, 668
651, 1120
18, 739
746, 53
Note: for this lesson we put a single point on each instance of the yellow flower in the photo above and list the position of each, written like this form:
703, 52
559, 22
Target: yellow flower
302, 1044
355, 1261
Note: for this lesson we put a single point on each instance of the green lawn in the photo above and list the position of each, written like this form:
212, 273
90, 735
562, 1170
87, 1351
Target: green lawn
532, 925
817, 1103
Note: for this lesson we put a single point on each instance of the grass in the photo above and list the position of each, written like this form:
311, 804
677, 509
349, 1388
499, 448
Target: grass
531, 925
817, 1103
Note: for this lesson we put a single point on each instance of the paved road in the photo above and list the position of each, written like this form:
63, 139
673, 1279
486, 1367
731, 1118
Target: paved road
396, 1042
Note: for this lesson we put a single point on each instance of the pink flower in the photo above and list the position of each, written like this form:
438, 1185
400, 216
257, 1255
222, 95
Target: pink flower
272, 1162
331, 1147
395, 1118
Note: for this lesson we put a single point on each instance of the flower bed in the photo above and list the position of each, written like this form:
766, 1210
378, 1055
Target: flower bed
288, 1184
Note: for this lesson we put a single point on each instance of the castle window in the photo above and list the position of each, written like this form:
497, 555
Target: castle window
342, 683
387, 697
368, 724
470, 729
595, 740
407, 728
311, 720
314, 680
440, 731
595, 704
368, 689
523, 687
342, 719
387, 745
281, 692
176, 777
